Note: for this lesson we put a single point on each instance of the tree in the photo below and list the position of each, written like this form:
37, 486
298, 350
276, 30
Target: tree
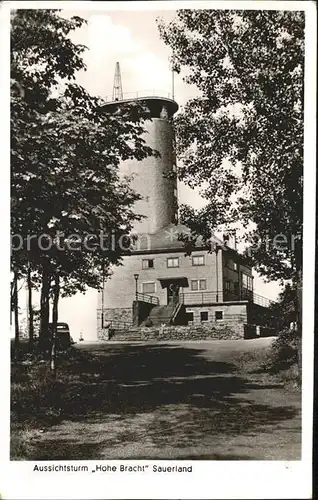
242, 138
30, 305
56, 293
41, 56
284, 309
16, 312
65, 158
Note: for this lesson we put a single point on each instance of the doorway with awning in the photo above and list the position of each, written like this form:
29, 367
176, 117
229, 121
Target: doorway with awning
173, 285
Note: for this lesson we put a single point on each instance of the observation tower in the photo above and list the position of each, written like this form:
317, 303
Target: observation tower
153, 178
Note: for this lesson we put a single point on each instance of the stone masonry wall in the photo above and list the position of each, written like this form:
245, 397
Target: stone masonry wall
232, 327
233, 313
120, 314
194, 332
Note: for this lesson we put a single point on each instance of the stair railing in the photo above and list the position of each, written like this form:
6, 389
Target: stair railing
119, 325
143, 297
175, 312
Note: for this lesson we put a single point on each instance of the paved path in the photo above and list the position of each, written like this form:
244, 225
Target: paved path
173, 400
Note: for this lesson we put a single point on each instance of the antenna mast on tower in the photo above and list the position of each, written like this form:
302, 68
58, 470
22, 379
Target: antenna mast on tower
172, 88
117, 89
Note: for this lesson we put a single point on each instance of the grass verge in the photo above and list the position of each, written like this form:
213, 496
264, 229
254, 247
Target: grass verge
36, 398
278, 363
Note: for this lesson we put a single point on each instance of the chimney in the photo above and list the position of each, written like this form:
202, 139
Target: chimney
229, 239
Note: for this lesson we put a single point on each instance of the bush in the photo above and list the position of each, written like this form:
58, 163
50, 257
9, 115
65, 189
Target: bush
37, 399
278, 362
20, 444
283, 352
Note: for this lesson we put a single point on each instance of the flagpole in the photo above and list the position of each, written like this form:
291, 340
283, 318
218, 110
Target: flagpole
172, 84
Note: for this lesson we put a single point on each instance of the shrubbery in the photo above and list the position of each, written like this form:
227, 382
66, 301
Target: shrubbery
283, 352
35, 395
280, 360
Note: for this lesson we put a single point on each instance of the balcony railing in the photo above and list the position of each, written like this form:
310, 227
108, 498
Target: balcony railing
198, 297
262, 301
140, 94
143, 297
208, 297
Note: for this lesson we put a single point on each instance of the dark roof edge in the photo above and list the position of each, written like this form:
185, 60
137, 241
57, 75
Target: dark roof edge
166, 250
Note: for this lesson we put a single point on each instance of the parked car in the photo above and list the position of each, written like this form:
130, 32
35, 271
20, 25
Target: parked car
63, 335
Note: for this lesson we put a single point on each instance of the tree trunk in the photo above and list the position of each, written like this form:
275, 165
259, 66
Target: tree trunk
56, 297
44, 338
298, 305
16, 316
299, 326
11, 300
30, 307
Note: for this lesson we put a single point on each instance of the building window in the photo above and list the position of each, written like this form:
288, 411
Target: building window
218, 315
244, 280
190, 317
230, 263
198, 260
236, 287
197, 285
250, 283
149, 287
204, 315
173, 262
247, 281
147, 263
194, 285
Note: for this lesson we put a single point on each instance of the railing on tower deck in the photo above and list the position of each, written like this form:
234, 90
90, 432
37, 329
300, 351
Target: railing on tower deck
209, 297
142, 93
143, 297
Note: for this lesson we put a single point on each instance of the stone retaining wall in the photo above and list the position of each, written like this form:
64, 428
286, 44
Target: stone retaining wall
184, 333
200, 331
116, 314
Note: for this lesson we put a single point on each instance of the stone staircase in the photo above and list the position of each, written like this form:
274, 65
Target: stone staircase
166, 314
159, 316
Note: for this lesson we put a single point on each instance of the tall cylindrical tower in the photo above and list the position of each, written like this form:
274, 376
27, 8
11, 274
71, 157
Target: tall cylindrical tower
154, 178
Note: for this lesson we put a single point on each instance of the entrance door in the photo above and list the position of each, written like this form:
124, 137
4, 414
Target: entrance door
173, 293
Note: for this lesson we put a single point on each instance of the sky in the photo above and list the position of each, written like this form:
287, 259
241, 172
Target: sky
132, 39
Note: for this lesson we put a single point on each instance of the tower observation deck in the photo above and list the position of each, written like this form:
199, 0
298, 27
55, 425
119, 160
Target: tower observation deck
159, 201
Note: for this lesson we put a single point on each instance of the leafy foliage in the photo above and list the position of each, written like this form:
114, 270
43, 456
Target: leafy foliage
285, 308
65, 153
241, 140
283, 352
